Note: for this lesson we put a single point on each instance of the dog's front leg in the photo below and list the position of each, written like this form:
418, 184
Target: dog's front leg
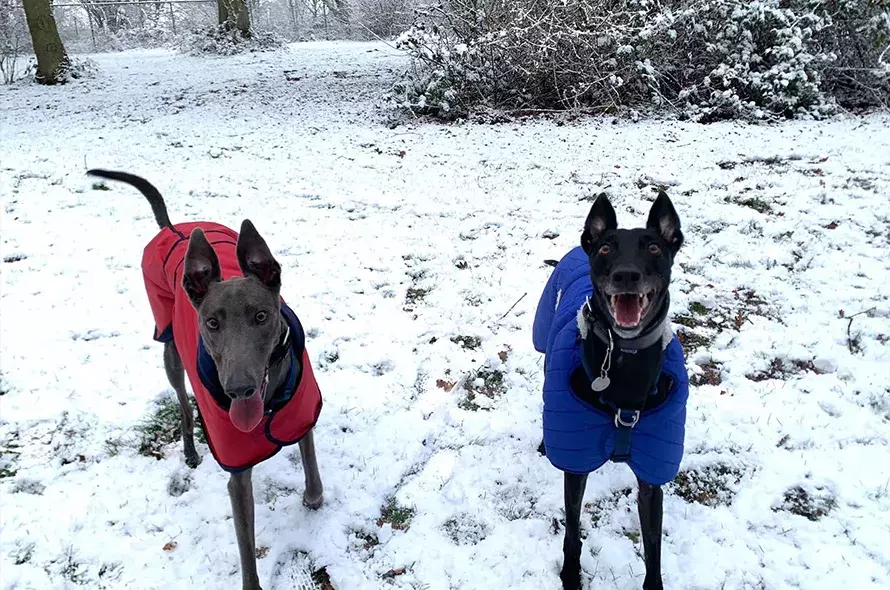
650, 506
571, 545
241, 495
313, 495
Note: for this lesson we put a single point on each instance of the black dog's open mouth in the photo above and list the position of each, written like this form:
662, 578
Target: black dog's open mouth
628, 309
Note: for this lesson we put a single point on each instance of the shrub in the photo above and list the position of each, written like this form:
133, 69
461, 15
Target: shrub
705, 59
219, 40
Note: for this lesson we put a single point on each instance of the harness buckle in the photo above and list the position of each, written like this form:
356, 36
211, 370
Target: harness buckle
619, 421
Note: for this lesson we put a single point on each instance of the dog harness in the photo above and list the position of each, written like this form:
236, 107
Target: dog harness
292, 410
578, 437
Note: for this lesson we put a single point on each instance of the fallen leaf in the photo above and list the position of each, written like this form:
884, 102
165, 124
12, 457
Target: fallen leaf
170, 546
446, 385
393, 573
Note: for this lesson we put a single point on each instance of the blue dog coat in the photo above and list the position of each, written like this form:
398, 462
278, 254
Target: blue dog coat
578, 437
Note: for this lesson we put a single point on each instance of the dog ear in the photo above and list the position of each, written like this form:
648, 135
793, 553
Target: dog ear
663, 218
201, 267
601, 218
255, 258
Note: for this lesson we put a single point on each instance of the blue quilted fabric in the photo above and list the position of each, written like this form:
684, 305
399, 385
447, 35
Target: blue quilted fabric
578, 437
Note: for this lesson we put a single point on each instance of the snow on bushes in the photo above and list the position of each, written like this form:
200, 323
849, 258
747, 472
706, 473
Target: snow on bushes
705, 59
221, 40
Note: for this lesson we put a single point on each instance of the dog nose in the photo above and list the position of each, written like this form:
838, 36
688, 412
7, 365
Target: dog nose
627, 278
240, 392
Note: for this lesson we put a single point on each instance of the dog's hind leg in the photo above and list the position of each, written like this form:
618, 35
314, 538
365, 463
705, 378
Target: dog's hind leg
176, 376
313, 496
571, 545
241, 495
650, 506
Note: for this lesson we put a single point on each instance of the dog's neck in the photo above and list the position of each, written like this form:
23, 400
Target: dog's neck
634, 364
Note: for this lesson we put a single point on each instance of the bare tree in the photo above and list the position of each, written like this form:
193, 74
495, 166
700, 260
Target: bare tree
233, 14
13, 40
51, 57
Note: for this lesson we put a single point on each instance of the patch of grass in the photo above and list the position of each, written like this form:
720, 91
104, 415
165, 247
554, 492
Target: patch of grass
468, 342
686, 321
414, 295
473, 299
634, 536
160, 429
368, 539
398, 516
812, 505
28, 486
712, 485
22, 554
113, 446
465, 530
698, 308
179, 484
710, 375
100, 186
781, 369
72, 570
110, 571
755, 203
485, 382
692, 340
14, 258
9, 455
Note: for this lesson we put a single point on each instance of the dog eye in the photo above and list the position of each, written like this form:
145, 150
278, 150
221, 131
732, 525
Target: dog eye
212, 324
654, 248
261, 316
605, 249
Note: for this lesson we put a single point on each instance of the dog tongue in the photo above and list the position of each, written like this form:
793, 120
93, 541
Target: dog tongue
627, 310
247, 413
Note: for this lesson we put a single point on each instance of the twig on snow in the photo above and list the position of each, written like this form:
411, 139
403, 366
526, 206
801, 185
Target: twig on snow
512, 306
851, 344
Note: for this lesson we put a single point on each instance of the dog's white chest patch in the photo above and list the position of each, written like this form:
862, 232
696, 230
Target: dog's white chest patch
582, 323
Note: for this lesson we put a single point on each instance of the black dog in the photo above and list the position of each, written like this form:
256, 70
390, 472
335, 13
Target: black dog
615, 384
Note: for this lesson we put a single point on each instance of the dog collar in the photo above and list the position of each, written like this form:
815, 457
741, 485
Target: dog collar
650, 336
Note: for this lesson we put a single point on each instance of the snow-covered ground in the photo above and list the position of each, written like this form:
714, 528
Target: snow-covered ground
404, 251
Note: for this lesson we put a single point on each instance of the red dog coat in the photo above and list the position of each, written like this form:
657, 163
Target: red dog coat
292, 411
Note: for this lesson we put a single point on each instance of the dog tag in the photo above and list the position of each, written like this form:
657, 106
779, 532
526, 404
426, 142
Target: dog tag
600, 383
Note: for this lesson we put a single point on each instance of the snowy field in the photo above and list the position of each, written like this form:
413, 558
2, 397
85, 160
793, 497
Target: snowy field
404, 251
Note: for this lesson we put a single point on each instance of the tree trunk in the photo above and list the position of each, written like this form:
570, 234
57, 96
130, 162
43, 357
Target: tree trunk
51, 56
233, 14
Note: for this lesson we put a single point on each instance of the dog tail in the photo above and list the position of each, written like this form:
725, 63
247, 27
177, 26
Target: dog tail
146, 188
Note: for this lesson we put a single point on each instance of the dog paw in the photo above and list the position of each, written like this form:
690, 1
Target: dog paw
571, 578
193, 460
313, 503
